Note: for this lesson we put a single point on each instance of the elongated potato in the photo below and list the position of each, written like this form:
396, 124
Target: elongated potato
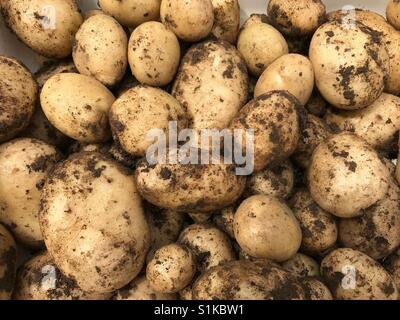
226, 19
8, 263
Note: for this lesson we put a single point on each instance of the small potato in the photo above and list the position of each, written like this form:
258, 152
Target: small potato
40, 279
256, 18
47, 26
292, 72
266, 228
154, 54
191, 20
302, 266
393, 13
18, 93
93, 222
100, 49
131, 13
346, 175
209, 245
171, 269
260, 44
343, 268
316, 290
78, 106
224, 220
8, 264
392, 264
226, 20
24, 165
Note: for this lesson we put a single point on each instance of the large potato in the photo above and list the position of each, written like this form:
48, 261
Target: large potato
8, 263
93, 222
226, 19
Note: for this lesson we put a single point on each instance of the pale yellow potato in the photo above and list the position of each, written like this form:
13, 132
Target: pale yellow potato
316, 289
393, 13
302, 266
8, 263
226, 19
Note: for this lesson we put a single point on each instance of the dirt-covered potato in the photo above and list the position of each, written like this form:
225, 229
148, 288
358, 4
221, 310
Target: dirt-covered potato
40, 279
393, 13
154, 54
18, 93
302, 266
277, 130
209, 245
226, 19
93, 222
346, 175
171, 269
296, 17
24, 165
318, 227
139, 289
224, 220
352, 275
100, 49
351, 65
247, 280
316, 289
8, 263
291, 72
78, 106
47, 26
260, 44
191, 20
316, 105
392, 264
265, 227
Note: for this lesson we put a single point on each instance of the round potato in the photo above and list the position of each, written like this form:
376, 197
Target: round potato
47, 26
226, 20
393, 13
93, 222
8, 264
315, 289
302, 266
78, 106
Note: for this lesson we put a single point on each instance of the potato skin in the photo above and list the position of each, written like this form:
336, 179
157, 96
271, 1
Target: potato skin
28, 19
393, 13
226, 20
224, 220
93, 222
302, 266
100, 49
372, 281
17, 99
316, 289
392, 265
8, 263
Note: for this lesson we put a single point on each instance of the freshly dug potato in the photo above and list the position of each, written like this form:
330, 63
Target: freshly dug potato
266, 228
392, 264
247, 280
226, 19
277, 120
100, 49
139, 289
154, 54
315, 289
260, 44
293, 73
346, 175
319, 228
352, 275
209, 245
24, 165
302, 266
254, 19
316, 105
393, 13
83, 115
224, 220
40, 279
18, 93
93, 222
296, 17
47, 26
171, 269
8, 263
351, 65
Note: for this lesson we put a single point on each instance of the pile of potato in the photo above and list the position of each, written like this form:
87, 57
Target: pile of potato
90, 218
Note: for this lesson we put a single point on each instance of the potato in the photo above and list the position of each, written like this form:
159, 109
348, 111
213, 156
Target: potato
100, 49
351, 65
47, 26
154, 54
171, 269
266, 228
93, 222
392, 264
24, 165
315, 289
316, 105
90, 13
83, 115
302, 266
132, 13
225, 219
378, 123
17, 98
209, 245
260, 44
319, 228
296, 17
191, 20
186, 293
8, 263
393, 13
226, 20
52, 68
40, 279
139, 289
346, 175
254, 19
276, 129
246, 280
292, 72
352, 275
